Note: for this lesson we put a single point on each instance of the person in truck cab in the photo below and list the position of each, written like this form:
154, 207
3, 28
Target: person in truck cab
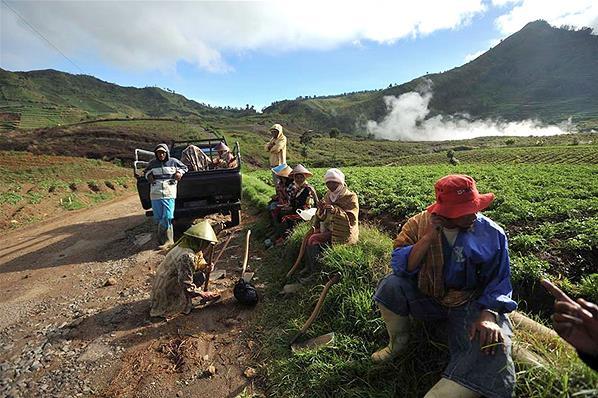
163, 173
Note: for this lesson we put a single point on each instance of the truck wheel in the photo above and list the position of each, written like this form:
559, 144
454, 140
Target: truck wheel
235, 218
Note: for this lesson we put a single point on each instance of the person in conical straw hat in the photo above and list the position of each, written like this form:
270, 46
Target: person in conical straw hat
180, 275
225, 158
451, 264
302, 196
281, 198
276, 148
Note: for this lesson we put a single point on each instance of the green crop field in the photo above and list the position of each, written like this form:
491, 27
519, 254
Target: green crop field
550, 213
561, 154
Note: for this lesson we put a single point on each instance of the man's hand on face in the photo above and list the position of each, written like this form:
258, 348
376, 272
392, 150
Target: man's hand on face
436, 224
489, 333
178, 176
576, 322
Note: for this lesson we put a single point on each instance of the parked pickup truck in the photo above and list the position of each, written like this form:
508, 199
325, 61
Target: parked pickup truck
199, 193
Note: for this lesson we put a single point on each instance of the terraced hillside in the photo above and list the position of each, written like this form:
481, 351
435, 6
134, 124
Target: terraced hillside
37, 187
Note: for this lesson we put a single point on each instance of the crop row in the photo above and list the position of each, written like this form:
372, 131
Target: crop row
566, 154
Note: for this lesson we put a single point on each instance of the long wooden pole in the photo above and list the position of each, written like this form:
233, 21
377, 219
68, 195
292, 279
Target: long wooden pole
301, 253
314, 314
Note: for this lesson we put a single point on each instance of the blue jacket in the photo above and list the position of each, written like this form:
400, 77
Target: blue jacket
479, 258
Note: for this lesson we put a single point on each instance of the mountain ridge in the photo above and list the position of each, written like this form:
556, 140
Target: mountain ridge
540, 72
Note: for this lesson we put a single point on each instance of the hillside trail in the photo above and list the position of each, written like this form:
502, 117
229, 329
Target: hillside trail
63, 332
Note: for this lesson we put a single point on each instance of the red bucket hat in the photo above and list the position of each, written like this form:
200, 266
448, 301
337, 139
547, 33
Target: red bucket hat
457, 195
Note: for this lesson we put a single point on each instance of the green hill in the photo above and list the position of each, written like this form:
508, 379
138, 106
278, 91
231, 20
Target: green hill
539, 72
49, 98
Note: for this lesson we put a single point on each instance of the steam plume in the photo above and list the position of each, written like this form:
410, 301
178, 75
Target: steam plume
406, 120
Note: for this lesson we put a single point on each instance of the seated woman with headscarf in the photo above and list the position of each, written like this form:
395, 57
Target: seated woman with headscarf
336, 221
182, 272
302, 197
225, 158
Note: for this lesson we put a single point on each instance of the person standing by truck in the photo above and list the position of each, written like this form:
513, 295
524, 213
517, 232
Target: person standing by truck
163, 173
277, 148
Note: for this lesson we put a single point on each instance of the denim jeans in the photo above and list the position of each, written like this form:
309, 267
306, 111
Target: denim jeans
489, 375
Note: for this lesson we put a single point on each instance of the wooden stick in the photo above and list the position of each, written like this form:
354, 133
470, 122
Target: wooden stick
333, 279
301, 252
246, 258
224, 247
210, 255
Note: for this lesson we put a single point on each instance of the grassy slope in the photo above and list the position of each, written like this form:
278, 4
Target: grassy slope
33, 188
343, 368
49, 98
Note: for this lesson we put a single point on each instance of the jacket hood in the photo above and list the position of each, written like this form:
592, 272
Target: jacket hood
164, 147
277, 127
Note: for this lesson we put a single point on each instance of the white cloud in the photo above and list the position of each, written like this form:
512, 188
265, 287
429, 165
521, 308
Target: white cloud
155, 35
407, 119
577, 13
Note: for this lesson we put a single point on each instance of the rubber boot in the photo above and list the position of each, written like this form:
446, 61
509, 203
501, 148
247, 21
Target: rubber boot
397, 327
161, 233
446, 388
168, 238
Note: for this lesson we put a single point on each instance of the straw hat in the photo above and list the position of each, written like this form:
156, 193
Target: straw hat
282, 170
300, 169
202, 230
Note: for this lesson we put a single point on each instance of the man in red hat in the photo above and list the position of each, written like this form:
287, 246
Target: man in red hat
451, 263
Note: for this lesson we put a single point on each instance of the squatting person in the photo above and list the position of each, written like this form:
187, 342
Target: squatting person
163, 173
451, 263
180, 275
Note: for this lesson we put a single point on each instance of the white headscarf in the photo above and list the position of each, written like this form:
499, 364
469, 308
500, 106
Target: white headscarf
334, 175
337, 176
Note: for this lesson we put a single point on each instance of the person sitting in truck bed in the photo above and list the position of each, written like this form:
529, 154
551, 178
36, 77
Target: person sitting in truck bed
195, 159
163, 173
225, 159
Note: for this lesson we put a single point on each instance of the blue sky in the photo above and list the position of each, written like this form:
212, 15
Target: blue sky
255, 53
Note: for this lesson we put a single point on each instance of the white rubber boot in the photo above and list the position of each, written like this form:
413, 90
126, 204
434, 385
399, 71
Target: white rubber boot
397, 327
168, 238
446, 388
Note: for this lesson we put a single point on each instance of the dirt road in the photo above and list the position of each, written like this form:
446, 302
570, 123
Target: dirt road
63, 333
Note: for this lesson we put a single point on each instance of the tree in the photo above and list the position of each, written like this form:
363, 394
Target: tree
334, 132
